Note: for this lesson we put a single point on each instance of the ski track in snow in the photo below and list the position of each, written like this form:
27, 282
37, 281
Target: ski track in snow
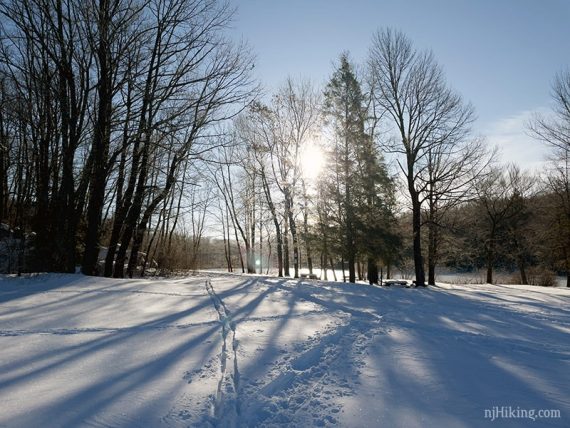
226, 404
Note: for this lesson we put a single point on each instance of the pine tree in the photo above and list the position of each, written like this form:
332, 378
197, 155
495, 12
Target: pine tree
358, 183
375, 220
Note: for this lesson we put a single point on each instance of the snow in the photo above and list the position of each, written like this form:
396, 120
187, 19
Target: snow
232, 351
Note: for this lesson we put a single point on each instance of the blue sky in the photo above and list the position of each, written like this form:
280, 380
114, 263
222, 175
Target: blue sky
501, 55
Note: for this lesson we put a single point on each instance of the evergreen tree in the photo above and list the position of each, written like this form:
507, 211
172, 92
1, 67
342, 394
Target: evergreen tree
375, 203
358, 183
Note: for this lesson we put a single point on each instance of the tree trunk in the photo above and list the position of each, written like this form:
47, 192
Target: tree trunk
133, 214
239, 251
293, 226
251, 259
416, 226
295, 250
432, 250
490, 257
230, 267
279, 248
286, 249
65, 206
143, 224
269, 249
306, 229
372, 271
332, 267
124, 204
225, 243
100, 148
522, 268
273, 211
3, 160
260, 240
151, 242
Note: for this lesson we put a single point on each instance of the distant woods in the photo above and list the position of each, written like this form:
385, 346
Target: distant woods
133, 137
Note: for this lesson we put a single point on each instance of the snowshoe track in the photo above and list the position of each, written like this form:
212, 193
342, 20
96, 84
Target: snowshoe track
303, 391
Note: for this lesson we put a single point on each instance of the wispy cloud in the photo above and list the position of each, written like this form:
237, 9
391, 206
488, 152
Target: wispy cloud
510, 135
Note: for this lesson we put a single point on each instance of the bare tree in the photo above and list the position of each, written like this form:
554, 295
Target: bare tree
454, 167
257, 130
296, 112
235, 189
410, 87
554, 130
193, 79
558, 232
47, 63
115, 30
501, 196
274, 136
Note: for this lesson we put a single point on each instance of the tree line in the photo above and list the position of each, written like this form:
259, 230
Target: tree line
399, 108
130, 129
445, 199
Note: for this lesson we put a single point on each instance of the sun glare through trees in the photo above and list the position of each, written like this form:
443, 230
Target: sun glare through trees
146, 137
284, 213
313, 161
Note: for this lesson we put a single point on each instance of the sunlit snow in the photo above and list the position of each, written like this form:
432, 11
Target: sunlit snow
231, 350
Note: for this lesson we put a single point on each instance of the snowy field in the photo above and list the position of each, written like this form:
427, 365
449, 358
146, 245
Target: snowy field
227, 351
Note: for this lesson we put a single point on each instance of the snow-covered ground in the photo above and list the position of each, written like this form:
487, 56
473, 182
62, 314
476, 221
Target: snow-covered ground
222, 350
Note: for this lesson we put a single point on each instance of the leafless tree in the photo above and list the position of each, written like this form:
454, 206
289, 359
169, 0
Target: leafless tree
257, 130
222, 177
46, 64
409, 86
554, 130
115, 30
502, 196
296, 112
193, 78
274, 136
454, 167
558, 232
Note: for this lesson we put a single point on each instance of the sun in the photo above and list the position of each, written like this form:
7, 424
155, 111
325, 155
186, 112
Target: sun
312, 161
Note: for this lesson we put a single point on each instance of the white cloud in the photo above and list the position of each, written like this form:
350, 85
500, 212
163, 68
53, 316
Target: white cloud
510, 135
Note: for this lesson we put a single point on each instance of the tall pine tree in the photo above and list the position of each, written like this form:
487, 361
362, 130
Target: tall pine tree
358, 183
